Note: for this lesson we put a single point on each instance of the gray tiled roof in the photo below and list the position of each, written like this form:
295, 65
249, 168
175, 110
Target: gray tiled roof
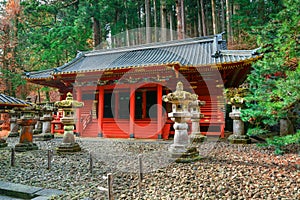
11, 101
190, 52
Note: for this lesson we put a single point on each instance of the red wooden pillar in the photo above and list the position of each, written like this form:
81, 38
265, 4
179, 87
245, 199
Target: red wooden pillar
101, 110
78, 112
159, 111
132, 112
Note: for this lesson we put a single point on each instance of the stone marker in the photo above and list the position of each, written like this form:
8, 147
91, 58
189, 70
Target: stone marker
68, 120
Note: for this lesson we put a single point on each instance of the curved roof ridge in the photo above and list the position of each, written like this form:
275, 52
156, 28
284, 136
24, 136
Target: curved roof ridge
150, 46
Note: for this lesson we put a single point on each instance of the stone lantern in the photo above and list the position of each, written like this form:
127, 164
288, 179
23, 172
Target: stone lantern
180, 114
68, 120
235, 96
26, 122
46, 119
14, 127
196, 136
238, 136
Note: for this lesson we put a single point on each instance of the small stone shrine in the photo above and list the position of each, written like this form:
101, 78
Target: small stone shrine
180, 114
26, 122
68, 106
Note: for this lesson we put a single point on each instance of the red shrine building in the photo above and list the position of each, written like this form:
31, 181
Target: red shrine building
122, 88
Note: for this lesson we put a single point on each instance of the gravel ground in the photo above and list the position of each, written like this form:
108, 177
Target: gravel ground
225, 172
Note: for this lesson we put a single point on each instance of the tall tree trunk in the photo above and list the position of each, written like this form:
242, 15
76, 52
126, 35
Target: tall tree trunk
148, 22
213, 14
96, 32
126, 24
155, 21
171, 24
228, 21
96, 25
223, 16
183, 18
179, 20
163, 19
203, 18
199, 32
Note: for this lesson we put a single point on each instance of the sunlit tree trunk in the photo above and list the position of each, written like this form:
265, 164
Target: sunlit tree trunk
228, 21
163, 19
148, 22
155, 21
179, 20
222, 16
171, 24
183, 18
213, 14
203, 18
199, 30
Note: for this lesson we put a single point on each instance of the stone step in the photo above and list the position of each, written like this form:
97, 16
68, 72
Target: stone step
15, 191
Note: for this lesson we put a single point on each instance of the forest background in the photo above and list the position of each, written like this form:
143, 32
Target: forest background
44, 34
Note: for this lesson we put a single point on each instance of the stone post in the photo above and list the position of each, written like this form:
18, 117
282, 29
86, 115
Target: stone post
14, 127
180, 115
196, 136
69, 105
26, 122
38, 126
46, 119
238, 136
286, 127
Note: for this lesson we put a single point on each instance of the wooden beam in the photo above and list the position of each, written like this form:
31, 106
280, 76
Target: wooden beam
100, 109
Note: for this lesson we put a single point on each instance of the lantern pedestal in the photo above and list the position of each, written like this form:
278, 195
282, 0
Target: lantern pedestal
25, 143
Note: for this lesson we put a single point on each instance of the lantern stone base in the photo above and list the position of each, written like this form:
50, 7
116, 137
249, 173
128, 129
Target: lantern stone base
190, 154
239, 139
37, 131
68, 148
197, 138
44, 137
3, 143
14, 134
29, 146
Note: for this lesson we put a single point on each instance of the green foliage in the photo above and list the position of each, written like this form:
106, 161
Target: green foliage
278, 142
274, 82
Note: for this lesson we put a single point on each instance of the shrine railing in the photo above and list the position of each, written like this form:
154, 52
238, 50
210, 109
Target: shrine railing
86, 120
